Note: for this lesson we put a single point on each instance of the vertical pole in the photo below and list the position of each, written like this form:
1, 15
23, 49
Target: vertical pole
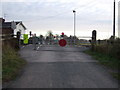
114, 21
74, 24
34, 41
18, 39
94, 35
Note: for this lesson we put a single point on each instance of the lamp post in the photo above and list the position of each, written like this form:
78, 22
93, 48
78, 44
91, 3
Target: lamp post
74, 24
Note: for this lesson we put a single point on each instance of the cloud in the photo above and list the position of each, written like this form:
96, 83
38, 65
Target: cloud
57, 14
0, 9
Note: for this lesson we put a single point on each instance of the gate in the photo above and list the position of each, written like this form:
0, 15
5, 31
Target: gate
62, 40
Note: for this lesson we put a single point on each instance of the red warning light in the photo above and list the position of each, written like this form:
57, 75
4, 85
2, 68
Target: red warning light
62, 33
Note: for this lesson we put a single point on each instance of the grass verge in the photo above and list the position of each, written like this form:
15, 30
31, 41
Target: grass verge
12, 63
107, 61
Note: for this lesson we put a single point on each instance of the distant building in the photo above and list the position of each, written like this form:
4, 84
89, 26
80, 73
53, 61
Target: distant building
119, 19
6, 30
19, 27
11, 28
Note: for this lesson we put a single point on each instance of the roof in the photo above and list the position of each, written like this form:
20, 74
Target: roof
9, 24
17, 23
6, 25
20, 22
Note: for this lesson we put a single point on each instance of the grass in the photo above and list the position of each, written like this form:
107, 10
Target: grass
116, 75
107, 61
12, 63
104, 59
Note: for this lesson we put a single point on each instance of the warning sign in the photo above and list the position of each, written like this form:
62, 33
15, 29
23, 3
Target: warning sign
62, 42
25, 41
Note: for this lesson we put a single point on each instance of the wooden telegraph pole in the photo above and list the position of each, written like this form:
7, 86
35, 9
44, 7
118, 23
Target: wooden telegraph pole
114, 21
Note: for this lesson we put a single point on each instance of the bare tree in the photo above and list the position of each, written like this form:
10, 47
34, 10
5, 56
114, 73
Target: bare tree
50, 35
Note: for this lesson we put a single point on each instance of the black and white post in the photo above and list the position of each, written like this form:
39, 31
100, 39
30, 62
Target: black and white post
74, 24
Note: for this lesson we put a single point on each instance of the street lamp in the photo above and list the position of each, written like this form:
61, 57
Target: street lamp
74, 24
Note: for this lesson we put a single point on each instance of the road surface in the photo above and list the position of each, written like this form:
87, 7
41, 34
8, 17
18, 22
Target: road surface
61, 67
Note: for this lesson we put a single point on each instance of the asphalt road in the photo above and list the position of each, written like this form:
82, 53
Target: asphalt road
61, 67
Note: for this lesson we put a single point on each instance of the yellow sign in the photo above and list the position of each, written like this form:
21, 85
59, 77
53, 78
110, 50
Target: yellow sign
25, 41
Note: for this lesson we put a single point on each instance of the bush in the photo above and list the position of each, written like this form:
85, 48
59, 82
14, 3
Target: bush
113, 50
11, 63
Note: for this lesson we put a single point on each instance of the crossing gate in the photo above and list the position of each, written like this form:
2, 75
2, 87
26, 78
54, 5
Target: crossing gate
63, 41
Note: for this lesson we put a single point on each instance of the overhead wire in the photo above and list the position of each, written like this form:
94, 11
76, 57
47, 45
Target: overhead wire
49, 17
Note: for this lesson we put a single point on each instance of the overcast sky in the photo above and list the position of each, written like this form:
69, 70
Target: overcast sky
39, 16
